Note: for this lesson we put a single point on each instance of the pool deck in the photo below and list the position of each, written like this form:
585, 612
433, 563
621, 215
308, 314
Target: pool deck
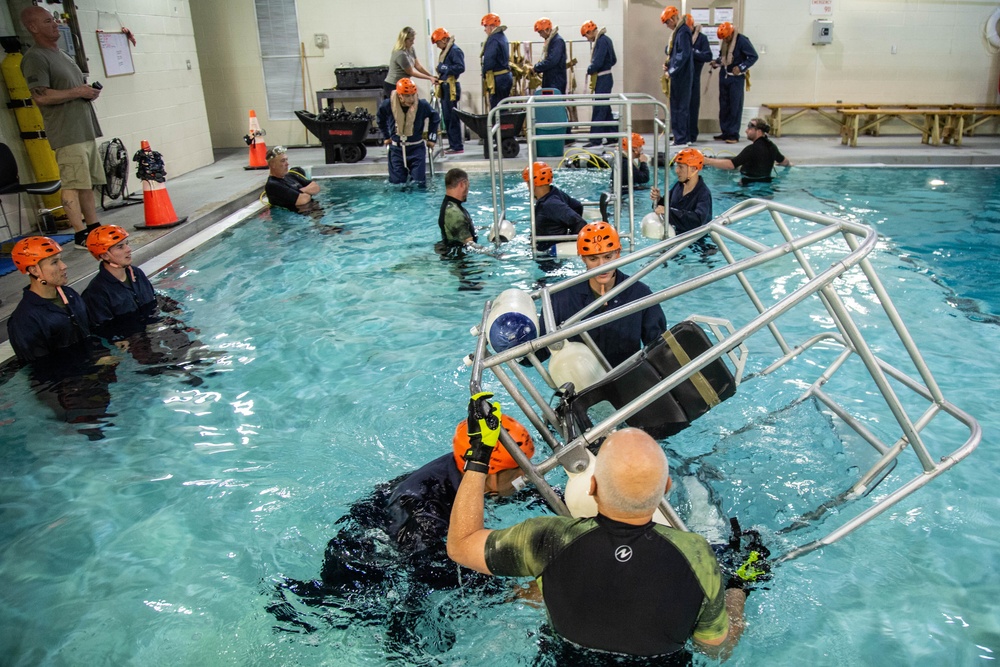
207, 195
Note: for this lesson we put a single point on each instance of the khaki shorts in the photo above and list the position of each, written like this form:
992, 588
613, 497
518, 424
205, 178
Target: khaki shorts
80, 166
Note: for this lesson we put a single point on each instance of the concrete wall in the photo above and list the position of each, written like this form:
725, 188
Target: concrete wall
361, 35
163, 101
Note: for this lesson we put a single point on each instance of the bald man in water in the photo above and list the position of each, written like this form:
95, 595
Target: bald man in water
617, 582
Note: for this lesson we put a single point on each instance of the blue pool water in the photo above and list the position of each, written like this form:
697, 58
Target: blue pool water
341, 368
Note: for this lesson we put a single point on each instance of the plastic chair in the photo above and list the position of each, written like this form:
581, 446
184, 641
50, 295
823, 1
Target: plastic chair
10, 183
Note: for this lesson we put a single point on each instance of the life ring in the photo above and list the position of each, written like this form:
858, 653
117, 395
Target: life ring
992, 36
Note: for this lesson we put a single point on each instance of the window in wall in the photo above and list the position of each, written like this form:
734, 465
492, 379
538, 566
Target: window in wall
278, 31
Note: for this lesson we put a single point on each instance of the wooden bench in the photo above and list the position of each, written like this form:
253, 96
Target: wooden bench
937, 125
777, 116
950, 121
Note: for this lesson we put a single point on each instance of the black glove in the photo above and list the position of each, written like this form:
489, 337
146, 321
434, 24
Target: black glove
484, 431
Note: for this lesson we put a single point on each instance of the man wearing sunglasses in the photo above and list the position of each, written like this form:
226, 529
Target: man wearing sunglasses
756, 161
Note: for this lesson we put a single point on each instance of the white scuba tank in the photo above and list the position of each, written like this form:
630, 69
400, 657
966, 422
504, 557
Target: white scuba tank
566, 249
575, 363
578, 499
506, 231
512, 320
653, 227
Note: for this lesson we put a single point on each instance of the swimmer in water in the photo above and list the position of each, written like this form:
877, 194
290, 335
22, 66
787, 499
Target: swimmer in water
597, 244
389, 553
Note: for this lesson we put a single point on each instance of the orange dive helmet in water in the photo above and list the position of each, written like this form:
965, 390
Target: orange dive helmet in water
406, 87
637, 141
31, 250
587, 27
501, 459
102, 238
541, 174
597, 238
692, 157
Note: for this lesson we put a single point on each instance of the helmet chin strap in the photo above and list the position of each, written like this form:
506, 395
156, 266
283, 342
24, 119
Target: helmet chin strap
120, 266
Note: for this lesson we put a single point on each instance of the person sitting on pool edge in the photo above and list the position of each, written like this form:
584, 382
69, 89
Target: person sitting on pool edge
617, 582
457, 230
756, 161
690, 198
556, 213
598, 243
402, 119
286, 187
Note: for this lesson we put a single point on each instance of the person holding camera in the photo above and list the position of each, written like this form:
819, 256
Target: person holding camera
61, 93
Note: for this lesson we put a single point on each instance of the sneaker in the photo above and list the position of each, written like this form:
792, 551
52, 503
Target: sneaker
679, 144
609, 142
80, 239
732, 141
451, 151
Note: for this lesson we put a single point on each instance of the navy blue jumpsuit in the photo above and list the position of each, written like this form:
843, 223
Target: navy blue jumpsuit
408, 155
601, 61
496, 58
731, 88
553, 66
680, 67
452, 65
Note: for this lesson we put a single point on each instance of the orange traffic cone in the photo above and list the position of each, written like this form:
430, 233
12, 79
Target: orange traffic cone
156, 202
258, 149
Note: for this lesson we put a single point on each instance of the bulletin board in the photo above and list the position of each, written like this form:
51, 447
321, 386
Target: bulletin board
115, 53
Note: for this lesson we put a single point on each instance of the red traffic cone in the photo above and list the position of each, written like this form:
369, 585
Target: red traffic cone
254, 139
156, 202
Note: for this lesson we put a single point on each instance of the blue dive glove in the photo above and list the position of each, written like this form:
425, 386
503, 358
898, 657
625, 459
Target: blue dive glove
484, 431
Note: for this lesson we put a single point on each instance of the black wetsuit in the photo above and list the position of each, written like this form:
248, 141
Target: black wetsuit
757, 160
284, 192
636, 590
456, 226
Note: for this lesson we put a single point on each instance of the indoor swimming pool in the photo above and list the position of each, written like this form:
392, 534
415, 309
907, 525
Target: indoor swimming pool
330, 363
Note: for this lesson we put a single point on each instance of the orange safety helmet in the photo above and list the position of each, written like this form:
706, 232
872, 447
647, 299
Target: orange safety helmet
668, 13
597, 238
587, 27
31, 250
501, 459
637, 140
689, 20
490, 20
692, 157
541, 174
543, 24
438, 35
102, 238
406, 86
725, 30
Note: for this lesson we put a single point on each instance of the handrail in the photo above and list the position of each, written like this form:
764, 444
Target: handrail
624, 102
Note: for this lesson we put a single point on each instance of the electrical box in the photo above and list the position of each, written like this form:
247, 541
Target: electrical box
822, 31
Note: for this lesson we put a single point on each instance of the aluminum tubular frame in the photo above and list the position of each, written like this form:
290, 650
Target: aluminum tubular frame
624, 102
856, 241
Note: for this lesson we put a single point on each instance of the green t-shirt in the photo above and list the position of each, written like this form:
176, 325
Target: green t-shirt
71, 122
640, 590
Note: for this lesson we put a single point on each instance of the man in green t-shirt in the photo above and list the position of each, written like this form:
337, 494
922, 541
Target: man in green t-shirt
617, 582
61, 93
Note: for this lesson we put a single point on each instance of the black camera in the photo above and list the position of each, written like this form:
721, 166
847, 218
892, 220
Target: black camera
96, 85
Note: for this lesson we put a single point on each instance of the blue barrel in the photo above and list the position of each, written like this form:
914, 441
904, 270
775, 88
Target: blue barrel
550, 147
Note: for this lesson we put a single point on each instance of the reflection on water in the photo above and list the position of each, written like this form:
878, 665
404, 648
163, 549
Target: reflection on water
341, 367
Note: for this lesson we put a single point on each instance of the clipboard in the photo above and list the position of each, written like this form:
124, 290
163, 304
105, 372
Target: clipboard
115, 53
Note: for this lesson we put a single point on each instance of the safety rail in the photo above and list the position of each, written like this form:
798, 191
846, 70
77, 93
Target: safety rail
815, 253
616, 129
